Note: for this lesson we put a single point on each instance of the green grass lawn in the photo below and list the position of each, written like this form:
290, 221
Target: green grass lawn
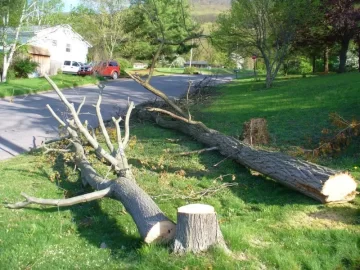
266, 225
18, 87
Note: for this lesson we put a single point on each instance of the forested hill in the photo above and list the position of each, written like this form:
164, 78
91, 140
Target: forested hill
211, 2
207, 10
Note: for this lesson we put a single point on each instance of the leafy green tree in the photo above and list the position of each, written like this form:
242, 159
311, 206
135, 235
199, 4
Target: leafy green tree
13, 15
160, 27
261, 27
108, 19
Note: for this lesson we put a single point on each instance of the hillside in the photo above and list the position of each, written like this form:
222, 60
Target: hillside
206, 10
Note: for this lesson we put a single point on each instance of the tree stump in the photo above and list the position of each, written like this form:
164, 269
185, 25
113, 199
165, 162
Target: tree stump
255, 132
197, 229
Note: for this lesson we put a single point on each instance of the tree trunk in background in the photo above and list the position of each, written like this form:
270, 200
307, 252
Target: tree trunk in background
313, 64
5, 69
326, 60
321, 183
343, 51
359, 52
268, 79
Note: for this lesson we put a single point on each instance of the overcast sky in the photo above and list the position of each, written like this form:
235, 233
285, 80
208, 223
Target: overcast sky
69, 4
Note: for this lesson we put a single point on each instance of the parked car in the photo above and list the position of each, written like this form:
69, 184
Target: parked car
71, 67
107, 69
86, 69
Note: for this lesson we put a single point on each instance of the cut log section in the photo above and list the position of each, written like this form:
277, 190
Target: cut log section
152, 224
197, 229
321, 183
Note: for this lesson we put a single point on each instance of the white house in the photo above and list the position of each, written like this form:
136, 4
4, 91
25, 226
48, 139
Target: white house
63, 43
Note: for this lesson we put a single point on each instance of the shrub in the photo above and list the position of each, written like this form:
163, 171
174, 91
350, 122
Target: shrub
300, 65
124, 64
23, 67
11, 74
190, 70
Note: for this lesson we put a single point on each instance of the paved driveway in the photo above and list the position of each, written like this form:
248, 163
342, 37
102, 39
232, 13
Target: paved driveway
25, 122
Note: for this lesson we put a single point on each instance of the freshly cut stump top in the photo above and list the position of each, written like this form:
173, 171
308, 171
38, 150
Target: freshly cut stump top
196, 208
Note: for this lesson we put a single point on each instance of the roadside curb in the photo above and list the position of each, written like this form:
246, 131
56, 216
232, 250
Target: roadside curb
45, 91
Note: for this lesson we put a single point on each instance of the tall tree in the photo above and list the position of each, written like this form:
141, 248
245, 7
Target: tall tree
42, 11
162, 27
343, 18
108, 16
13, 14
261, 27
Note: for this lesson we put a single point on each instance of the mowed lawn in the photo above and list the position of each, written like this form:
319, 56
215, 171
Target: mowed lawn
18, 87
266, 225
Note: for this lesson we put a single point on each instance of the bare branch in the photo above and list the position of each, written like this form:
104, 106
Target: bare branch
80, 106
61, 122
179, 42
187, 100
101, 122
179, 118
99, 150
118, 132
61, 202
152, 67
127, 124
158, 93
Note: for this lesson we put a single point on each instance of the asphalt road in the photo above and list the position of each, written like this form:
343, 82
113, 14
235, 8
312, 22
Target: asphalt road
25, 122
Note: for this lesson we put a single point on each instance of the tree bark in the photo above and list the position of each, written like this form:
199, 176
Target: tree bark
326, 60
313, 64
8, 57
268, 79
197, 229
343, 51
151, 222
318, 182
358, 44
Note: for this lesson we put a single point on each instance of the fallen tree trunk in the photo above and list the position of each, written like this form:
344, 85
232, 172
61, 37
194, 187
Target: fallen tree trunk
318, 182
152, 224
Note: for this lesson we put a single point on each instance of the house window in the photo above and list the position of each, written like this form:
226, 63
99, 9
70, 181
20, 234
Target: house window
68, 47
54, 43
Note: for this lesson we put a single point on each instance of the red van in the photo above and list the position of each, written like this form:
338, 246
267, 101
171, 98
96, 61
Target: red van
107, 69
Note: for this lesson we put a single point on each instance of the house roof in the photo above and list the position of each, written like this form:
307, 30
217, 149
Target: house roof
38, 51
197, 63
44, 32
31, 32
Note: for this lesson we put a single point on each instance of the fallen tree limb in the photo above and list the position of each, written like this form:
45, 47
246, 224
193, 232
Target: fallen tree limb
60, 202
321, 183
152, 224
